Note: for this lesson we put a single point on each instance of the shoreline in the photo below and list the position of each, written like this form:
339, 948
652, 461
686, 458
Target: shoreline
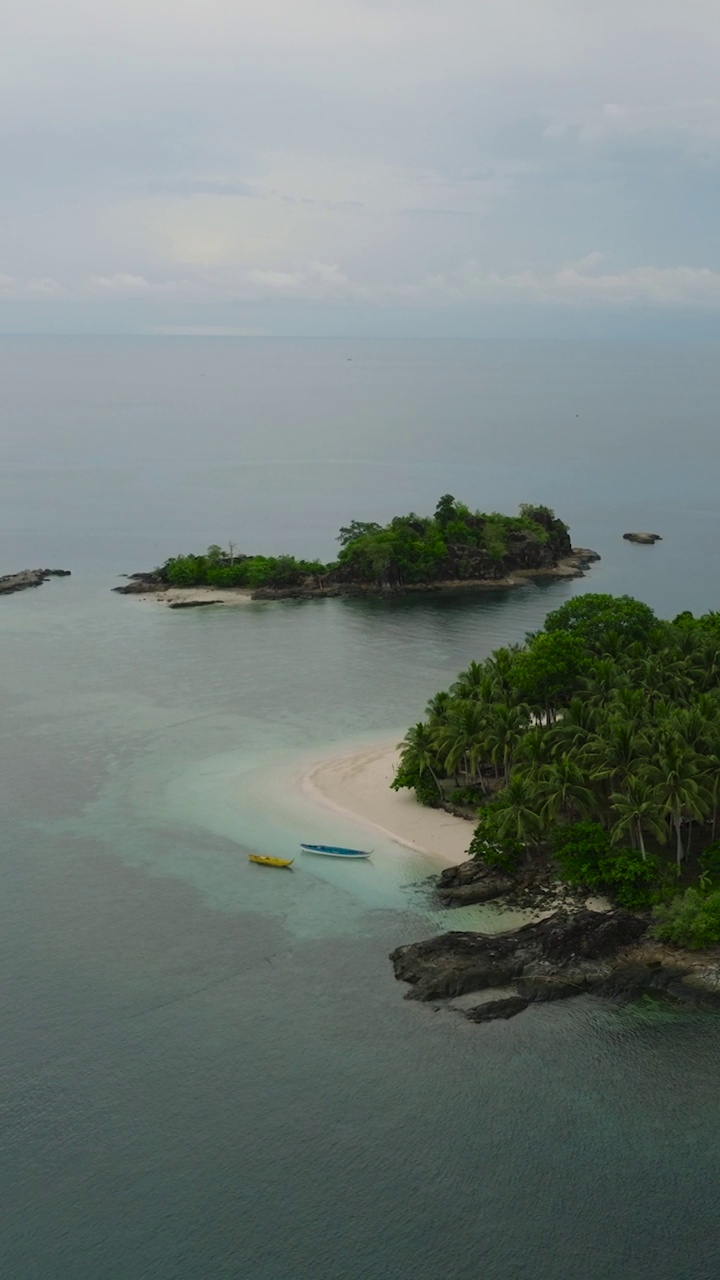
357, 784
147, 586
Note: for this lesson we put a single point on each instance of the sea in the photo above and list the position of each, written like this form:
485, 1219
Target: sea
208, 1070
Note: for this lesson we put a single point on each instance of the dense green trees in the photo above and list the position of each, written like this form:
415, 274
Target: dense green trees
598, 741
453, 544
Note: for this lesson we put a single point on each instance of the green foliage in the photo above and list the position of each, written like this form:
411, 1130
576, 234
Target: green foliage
409, 775
411, 549
467, 797
630, 878
547, 672
710, 862
581, 850
691, 920
215, 569
587, 858
594, 618
490, 846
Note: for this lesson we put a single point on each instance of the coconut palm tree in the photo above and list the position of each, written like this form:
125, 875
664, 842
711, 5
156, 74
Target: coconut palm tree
679, 789
615, 751
459, 740
520, 816
506, 726
438, 708
418, 751
637, 811
565, 790
606, 677
575, 726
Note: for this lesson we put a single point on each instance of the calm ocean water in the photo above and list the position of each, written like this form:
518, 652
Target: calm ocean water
209, 1071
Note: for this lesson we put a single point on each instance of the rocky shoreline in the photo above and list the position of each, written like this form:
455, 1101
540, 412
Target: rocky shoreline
573, 566
565, 954
12, 582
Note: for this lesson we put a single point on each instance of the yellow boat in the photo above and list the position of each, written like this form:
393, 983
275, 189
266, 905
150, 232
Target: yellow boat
270, 862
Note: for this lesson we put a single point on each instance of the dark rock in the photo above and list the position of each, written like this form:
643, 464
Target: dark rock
472, 882
541, 987
192, 604
506, 1007
140, 584
570, 951
12, 582
646, 539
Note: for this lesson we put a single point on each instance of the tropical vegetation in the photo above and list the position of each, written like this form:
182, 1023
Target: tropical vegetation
596, 745
454, 544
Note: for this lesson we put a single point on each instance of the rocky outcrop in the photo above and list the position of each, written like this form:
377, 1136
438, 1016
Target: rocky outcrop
564, 955
12, 582
550, 959
472, 882
139, 584
645, 538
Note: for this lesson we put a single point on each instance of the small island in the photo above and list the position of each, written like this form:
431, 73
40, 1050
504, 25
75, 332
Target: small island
588, 761
453, 548
10, 583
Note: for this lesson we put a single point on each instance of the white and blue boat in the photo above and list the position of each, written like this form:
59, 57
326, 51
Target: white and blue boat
335, 851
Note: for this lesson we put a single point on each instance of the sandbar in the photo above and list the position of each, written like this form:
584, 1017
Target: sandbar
357, 783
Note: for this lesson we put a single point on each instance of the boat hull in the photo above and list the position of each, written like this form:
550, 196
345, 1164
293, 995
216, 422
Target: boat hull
335, 851
262, 861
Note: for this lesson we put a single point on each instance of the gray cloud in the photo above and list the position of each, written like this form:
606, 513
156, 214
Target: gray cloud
443, 153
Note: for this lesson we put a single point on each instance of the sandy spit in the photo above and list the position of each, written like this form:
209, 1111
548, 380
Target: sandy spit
203, 595
357, 783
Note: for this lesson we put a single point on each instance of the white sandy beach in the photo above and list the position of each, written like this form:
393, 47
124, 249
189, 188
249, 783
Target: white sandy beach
198, 595
357, 783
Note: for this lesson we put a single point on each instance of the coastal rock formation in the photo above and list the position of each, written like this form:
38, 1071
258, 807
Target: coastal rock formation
139, 584
575, 949
12, 582
564, 955
645, 538
472, 882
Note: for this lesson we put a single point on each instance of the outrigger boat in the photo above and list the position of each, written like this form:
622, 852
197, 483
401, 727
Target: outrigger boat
335, 851
270, 862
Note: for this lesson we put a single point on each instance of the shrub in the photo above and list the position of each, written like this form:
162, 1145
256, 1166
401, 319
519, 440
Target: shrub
691, 920
581, 850
421, 783
630, 878
710, 862
488, 846
467, 796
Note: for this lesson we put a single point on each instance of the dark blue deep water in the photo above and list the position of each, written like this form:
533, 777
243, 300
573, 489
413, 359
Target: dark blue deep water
206, 1072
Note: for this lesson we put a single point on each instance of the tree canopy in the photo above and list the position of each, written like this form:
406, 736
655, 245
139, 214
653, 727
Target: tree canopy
597, 743
454, 544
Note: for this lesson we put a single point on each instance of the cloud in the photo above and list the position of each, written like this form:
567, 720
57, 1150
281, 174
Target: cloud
188, 185
433, 153
124, 285
693, 126
575, 284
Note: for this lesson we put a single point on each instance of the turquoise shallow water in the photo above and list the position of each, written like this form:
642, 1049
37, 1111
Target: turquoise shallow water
206, 1069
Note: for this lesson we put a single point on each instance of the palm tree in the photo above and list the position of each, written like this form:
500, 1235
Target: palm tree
506, 727
439, 707
533, 749
614, 752
459, 740
418, 751
636, 808
520, 817
605, 679
679, 788
475, 683
577, 723
565, 789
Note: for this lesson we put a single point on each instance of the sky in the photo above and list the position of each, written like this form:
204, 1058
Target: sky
360, 166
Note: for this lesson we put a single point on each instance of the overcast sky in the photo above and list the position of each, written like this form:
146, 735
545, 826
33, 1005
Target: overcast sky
281, 164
